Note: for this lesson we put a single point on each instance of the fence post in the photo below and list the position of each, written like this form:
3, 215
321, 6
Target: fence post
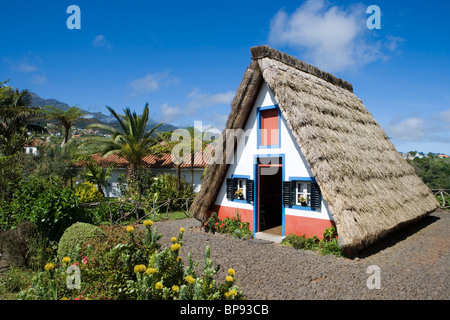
443, 198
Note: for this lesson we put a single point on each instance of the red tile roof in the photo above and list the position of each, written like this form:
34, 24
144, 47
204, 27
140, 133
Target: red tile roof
150, 161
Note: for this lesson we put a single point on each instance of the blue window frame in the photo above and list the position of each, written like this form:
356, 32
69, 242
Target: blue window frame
258, 117
302, 193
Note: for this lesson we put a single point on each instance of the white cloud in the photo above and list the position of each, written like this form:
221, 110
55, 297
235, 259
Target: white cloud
443, 116
198, 108
199, 99
435, 128
26, 64
151, 82
101, 42
168, 114
410, 129
38, 79
331, 37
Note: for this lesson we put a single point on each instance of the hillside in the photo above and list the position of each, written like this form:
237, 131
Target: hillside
89, 117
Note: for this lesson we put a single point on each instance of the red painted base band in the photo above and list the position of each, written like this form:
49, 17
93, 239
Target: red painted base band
293, 224
306, 226
245, 215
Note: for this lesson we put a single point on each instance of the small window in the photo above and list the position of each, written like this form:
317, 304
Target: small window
302, 194
240, 193
240, 189
269, 128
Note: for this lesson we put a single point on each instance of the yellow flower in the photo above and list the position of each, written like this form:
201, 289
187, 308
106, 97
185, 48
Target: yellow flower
232, 292
182, 230
231, 272
150, 271
148, 222
227, 295
175, 247
140, 268
179, 259
173, 239
66, 259
175, 288
229, 278
159, 285
190, 279
130, 229
64, 298
49, 267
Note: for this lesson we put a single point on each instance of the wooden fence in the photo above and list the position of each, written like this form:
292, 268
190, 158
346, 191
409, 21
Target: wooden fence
442, 194
157, 210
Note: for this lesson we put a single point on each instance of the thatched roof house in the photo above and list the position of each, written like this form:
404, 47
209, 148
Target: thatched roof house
365, 186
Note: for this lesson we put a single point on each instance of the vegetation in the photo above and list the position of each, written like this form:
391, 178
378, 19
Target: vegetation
195, 143
327, 245
132, 143
129, 267
16, 119
76, 235
230, 225
44, 202
46, 228
66, 118
434, 171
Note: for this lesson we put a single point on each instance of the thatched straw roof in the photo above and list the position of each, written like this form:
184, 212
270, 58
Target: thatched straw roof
369, 188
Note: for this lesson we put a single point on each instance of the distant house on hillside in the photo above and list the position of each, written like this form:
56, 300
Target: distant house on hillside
157, 164
31, 148
312, 156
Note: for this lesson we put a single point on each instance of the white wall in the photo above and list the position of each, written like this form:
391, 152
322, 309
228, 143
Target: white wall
112, 190
294, 163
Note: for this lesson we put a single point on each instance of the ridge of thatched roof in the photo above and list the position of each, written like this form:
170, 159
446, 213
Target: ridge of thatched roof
261, 52
369, 188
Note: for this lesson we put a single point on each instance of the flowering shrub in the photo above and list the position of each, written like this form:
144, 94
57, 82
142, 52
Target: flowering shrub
327, 245
233, 226
130, 264
88, 192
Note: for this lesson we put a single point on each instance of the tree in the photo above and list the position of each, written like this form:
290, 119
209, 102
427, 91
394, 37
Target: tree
133, 142
195, 143
66, 118
16, 119
97, 175
165, 145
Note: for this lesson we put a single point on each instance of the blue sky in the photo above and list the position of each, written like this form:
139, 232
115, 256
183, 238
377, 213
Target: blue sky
186, 59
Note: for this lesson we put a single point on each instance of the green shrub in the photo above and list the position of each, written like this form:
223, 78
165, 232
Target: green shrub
327, 245
330, 247
88, 192
130, 266
230, 225
234, 226
51, 208
164, 187
211, 223
16, 243
75, 236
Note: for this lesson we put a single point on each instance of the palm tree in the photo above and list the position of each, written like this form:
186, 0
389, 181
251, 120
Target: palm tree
66, 118
165, 145
97, 175
16, 117
133, 142
195, 143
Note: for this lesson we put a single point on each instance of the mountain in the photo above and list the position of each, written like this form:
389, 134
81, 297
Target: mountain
90, 117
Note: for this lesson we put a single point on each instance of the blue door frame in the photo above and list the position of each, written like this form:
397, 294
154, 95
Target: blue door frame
256, 173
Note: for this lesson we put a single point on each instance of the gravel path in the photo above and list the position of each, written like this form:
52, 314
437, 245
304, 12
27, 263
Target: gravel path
413, 264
